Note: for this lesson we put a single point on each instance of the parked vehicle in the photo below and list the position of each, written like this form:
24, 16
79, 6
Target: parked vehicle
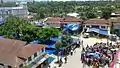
86, 35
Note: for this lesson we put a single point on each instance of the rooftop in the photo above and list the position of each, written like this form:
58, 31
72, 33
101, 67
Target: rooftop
15, 52
73, 14
115, 19
97, 22
63, 20
9, 8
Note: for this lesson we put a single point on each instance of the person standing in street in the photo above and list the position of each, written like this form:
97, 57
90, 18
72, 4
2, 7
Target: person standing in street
71, 52
65, 59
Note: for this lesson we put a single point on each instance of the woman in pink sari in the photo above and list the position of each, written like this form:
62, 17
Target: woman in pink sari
116, 56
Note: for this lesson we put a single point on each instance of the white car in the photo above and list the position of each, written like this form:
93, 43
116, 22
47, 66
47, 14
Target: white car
86, 35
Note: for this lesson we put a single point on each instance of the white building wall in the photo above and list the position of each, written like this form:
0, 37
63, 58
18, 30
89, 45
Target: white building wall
15, 11
39, 53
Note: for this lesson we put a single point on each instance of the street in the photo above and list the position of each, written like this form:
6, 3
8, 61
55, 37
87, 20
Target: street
74, 61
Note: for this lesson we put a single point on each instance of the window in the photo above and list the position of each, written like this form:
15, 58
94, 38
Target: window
9, 67
21, 66
87, 26
95, 26
29, 59
102, 26
35, 55
42, 49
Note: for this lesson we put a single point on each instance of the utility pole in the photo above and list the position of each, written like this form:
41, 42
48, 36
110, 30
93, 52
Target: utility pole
2, 9
2, 1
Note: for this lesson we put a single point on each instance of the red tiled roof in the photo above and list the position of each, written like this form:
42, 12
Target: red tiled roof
12, 52
8, 51
29, 50
115, 20
96, 22
63, 20
54, 20
71, 19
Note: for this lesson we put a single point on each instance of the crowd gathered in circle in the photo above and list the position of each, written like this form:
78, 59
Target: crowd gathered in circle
100, 54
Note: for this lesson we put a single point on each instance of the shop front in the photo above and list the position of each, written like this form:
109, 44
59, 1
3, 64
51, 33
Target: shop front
102, 33
40, 62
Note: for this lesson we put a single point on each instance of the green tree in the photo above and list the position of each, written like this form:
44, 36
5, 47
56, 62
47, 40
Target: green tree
58, 8
29, 34
39, 16
106, 11
45, 34
16, 28
90, 15
26, 66
58, 45
66, 40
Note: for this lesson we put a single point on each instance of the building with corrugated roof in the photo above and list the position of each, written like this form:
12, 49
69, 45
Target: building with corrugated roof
18, 11
17, 54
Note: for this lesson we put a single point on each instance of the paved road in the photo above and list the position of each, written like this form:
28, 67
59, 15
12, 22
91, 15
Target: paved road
74, 60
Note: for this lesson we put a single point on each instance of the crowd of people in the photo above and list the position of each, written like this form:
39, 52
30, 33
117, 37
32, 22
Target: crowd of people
100, 54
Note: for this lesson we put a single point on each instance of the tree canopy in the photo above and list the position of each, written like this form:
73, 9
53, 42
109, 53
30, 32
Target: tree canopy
59, 9
21, 29
58, 45
15, 27
66, 40
45, 34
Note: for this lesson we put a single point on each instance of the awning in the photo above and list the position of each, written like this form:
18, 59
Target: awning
103, 32
94, 30
97, 30
72, 27
41, 60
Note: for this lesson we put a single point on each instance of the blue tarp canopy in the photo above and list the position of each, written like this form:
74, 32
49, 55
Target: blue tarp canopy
97, 30
55, 38
72, 27
51, 42
50, 51
34, 42
50, 46
103, 29
94, 30
103, 32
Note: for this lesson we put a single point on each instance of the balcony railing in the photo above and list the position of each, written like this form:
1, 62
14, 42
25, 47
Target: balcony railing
36, 60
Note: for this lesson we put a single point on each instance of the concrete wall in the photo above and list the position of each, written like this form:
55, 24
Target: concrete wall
39, 53
53, 24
